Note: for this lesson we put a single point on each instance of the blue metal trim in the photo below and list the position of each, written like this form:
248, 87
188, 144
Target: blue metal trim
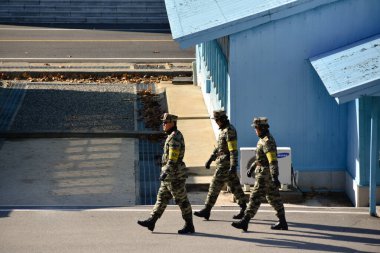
216, 64
374, 152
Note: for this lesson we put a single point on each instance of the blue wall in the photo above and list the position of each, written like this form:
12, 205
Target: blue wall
270, 75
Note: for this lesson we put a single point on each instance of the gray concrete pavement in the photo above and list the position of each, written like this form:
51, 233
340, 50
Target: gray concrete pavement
116, 230
32, 44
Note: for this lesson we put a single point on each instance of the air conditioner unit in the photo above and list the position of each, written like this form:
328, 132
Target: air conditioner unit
284, 156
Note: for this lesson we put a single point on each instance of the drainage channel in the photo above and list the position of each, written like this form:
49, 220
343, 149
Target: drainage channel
10, 99
150, 152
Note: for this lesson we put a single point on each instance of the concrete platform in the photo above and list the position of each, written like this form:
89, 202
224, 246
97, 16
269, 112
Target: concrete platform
68, 172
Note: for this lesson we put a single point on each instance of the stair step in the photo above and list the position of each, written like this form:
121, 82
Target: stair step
82, 3
83, 14
33, 8
84, 11
88, 20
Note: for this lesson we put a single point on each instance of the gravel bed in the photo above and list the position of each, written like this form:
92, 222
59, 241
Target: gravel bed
76, 107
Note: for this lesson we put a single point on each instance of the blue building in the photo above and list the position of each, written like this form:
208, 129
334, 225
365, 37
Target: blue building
261, 58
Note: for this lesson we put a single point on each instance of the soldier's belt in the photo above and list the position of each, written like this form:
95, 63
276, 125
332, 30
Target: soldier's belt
222, 154
262, 164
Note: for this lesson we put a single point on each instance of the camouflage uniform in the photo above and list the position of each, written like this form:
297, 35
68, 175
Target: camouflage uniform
173, 178
264, 186
267, 184
174, 183
226, 156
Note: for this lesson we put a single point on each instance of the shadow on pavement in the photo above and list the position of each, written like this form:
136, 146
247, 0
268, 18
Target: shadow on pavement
5, 214
301, 243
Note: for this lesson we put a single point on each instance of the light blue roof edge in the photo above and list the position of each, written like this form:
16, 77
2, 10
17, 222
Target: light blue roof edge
351, 71
189, 32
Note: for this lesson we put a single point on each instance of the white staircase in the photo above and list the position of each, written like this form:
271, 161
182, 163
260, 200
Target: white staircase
111, 12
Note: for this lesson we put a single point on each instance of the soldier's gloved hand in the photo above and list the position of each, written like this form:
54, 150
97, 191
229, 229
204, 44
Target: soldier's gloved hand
163, 176
249, 172
208, 163
232, 170
276, 182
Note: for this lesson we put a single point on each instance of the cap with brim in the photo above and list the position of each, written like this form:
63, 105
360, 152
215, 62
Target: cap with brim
260, 121
219, 114
166, 117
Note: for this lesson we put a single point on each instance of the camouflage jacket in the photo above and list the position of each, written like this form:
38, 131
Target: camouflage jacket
172, 158
266, 154
226, 153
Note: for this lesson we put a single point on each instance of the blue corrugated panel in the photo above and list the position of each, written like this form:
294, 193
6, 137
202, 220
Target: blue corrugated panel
216, 64
352, 71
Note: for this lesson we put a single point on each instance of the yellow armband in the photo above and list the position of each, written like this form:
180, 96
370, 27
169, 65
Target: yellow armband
271, 156
232, 145
173, 154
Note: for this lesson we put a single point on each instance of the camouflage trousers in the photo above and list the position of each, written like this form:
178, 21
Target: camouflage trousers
264, 187
221, 176
172, 189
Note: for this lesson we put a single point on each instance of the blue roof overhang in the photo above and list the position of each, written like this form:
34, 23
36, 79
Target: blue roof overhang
197, 21
352, 71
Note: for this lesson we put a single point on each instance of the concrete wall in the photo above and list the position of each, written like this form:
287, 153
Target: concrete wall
359, 195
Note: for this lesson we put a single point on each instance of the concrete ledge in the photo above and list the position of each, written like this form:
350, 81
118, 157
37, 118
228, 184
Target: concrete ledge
359, 195
38, 68
290, 196
321, 180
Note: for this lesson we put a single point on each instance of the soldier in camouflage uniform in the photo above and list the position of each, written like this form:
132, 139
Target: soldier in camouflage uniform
266, 172
173, 178
226, 156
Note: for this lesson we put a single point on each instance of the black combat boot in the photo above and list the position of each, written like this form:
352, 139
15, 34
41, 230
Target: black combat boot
149, 223
242, 224
281, 224
241, 214
205, 212
188, 228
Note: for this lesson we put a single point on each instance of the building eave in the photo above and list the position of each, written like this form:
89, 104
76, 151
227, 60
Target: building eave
188, 31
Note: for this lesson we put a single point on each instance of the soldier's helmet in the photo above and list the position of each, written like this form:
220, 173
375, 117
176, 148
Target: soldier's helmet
167, 117
219, 114
260, 122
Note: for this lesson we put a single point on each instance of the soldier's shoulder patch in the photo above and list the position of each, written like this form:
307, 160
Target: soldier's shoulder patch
231, 134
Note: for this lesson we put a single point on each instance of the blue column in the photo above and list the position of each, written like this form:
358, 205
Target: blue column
374, 152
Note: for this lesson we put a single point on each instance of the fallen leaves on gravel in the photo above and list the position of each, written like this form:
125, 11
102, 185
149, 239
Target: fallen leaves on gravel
151, 109
86, 78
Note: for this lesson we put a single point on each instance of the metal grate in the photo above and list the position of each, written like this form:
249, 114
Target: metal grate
10, 99
150, 153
